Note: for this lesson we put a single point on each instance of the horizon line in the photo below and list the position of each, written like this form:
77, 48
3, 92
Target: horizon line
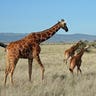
56, 33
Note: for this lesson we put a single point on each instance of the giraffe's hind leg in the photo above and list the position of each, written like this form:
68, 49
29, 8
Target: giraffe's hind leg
71, 70
11, 63
6, 74
66, 60
78, 68
7, 71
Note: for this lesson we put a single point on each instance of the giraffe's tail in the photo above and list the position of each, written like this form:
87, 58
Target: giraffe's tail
3, 45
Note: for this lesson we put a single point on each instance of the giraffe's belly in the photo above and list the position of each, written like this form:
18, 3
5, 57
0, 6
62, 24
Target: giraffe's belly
25, 53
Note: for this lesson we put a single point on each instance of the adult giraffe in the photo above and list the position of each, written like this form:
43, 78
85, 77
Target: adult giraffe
29, 48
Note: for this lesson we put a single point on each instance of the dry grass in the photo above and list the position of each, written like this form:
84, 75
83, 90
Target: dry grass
57, 82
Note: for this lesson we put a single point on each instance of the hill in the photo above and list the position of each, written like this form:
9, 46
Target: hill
8, 37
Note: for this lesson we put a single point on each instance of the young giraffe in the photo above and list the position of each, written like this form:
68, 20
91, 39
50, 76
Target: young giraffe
71, 51
76, 60
29, 47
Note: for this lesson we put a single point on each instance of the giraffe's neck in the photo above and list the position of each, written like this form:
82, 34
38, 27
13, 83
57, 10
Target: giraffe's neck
81, 53
44, 35
48, 33
76, 46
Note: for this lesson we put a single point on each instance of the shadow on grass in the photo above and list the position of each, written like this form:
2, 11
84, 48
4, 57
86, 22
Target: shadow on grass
89, 75
61, 77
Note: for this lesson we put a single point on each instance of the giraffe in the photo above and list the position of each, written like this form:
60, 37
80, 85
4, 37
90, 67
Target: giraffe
77, 60
71, 51
29, 48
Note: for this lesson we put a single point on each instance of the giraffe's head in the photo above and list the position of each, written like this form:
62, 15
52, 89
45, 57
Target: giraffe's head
63, 25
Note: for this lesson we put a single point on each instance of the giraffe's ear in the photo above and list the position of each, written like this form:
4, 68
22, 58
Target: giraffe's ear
62, 20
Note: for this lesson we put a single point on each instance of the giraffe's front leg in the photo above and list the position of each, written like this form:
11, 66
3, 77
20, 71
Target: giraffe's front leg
36, 52
30, 68
66, 60
41, 65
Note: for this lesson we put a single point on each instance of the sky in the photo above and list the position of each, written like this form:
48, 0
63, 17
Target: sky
25, 16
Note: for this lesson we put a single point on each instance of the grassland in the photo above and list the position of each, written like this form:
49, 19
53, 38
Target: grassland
57, 82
